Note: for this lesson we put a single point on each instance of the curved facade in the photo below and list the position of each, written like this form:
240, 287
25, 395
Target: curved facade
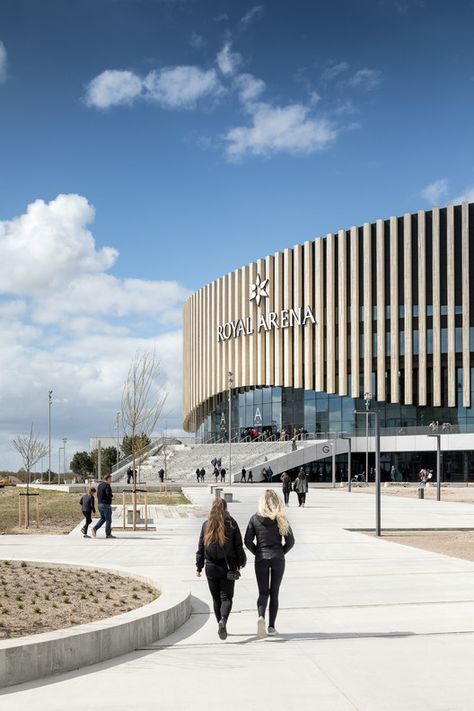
384, 309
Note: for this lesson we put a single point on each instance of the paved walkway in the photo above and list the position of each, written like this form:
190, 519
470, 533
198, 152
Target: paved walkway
365, 624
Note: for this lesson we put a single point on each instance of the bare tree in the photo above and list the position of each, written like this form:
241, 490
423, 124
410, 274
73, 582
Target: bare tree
143, 399
31, 449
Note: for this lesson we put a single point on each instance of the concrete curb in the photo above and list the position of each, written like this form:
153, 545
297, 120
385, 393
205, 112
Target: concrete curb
37, 656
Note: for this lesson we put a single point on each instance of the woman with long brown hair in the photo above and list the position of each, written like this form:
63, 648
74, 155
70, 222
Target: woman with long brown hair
269, 537
221, 553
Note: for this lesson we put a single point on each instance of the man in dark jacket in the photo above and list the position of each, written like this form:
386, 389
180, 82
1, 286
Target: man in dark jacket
88, 508
104, 499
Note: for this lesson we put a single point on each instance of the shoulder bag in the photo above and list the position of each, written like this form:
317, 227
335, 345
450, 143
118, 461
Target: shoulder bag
231, 574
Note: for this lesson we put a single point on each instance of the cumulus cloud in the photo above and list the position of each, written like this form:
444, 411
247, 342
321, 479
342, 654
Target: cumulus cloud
228, 61
248, 87
367, 79
333, 70
70, 325
179, 87
255, 13
280, 129
3, 62
435, 192
113, 88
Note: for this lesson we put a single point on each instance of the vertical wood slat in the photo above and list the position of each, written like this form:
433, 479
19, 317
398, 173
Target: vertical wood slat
380, 281
465, 277
367, 282
220, 350
422, 366
278, 305
208, 336
251, 340
394, 317
355, 313
319, 303
260, 335
436, 302
330, 315
287, 297
231, 316
270, 335
342, 310
238, 342
297, 331
308, 333
451, 309
244, 294
408, 291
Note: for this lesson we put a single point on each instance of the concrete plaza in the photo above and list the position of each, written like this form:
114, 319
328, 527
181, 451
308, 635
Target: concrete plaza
364, 624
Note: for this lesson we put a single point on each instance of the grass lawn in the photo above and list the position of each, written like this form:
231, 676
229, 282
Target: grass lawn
60, 512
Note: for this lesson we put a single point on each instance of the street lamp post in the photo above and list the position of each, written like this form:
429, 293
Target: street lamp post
230, 426
117, 427
59, 463
378, 492
438, 465
64, 457
367, 399
50, 402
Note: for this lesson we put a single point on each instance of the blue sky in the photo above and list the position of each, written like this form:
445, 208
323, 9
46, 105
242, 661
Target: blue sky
204, 134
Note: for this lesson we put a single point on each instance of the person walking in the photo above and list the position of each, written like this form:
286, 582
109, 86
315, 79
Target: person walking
301, 487
269, 537
88, 508
203, 474
250, 477
161, 474
129, 475
104, 499
269, 475
222, 475
198, 475
221, 553
286, 487
243, 475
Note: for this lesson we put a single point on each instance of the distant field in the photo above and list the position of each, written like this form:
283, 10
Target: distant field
60, 512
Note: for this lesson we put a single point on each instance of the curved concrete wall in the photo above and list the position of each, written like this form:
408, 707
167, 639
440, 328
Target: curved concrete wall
328, 314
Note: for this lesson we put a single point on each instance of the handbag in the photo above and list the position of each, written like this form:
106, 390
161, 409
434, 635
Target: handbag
231, 574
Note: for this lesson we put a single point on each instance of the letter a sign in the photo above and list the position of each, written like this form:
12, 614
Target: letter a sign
257, 420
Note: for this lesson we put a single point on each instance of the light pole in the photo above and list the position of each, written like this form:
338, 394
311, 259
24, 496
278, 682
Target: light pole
117, 427
64, 457
59, 464
367, 399
50, 402
438, 465
343, 435
230, 426
378, 491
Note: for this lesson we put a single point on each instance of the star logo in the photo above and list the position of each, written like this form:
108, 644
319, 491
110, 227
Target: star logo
259, 290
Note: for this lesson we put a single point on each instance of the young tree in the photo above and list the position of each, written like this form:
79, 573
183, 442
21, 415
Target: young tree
143, 399
82, 463
31, 449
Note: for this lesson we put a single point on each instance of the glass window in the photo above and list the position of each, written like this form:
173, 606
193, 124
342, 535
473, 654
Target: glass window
458, 309
429, 310
402, 343
416, 342
402, 311
276, 394
444, 340
267, 394
444, 310
458, 339
429, 340
415, 310
388, 311
388, 344
249, 397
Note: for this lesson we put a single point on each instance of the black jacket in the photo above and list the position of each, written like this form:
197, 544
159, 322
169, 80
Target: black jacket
213, 555
268, 538
87, 503
104, 493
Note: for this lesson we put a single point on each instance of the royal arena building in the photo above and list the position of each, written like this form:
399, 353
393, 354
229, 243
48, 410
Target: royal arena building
378, 316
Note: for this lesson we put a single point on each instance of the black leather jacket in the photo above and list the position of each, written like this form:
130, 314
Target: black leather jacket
269, 540
213, 555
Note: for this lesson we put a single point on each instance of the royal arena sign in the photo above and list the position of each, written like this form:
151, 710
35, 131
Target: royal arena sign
274, 320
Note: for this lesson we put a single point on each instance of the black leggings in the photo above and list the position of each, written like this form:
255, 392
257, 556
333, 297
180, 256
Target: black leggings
88, 517
301, 498
222, 591
269, 576
286, 496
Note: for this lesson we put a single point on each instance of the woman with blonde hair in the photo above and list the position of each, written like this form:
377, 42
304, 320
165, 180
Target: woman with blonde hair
269, 537
221, 552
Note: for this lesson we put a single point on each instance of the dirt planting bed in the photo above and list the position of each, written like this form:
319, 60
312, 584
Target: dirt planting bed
36, 598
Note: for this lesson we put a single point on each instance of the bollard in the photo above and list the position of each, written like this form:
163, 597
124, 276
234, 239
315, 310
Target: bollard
217, 492
228, 497
421, 493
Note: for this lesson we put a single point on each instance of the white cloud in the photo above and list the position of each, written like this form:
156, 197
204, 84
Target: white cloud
248, 87
181, 87
69, 325
3, 63
255, 13
280, 129
197, 41
436, 192
466, 196
333, 70
228, 61
367, 79
113, 88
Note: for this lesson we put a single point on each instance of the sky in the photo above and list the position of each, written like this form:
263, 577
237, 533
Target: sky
149, 146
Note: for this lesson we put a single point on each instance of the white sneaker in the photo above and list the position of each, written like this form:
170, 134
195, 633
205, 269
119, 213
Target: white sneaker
261, 631
272, 631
